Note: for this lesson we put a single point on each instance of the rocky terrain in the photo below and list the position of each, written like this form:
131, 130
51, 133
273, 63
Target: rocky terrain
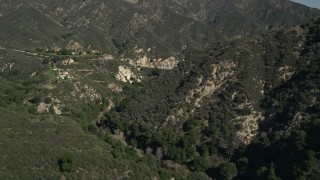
172, 89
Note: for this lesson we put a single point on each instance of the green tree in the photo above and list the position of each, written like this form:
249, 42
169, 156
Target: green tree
155, 72
65, 51
243, 165
35, 100
47, 100
228, 170
92, 129
272, 175
297, 140
67, 163
45, 61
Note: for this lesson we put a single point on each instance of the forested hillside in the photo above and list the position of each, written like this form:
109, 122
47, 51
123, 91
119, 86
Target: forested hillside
172, 89
262, 90
120, 27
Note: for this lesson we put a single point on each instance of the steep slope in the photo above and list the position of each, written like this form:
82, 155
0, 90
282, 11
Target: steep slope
216, 100
113, 27
288, 145
33, 144
24, 27
49, 106
234, 18
151, 80
161, 29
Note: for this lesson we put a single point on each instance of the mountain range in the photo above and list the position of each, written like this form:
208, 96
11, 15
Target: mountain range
148, 89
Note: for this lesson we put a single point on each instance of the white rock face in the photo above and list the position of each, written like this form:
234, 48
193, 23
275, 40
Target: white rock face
220, 73
84, 92
43, 107
7, 66
250, 126
126, 75
73, 45
144, 61
107, 57
57, 110
115, 87
132, 1
285, 72
55, 105
205, 88
296, 121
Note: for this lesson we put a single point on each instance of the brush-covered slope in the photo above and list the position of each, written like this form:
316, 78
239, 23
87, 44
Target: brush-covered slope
113, 89
224, 97
47, 123
238, 17
114, 27
32, 145
159, 29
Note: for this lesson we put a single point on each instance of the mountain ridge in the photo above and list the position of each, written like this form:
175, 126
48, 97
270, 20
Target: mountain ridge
75, 21
233, 94
182, 89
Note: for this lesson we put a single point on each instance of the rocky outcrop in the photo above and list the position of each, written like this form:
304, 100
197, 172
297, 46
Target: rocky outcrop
125, 74
144, 61
249, 126
220, 73
205, 88
85, 93
73, 45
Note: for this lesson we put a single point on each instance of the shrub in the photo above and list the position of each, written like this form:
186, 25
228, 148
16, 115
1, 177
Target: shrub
35, 100
66, 163
47, 100
228, 170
